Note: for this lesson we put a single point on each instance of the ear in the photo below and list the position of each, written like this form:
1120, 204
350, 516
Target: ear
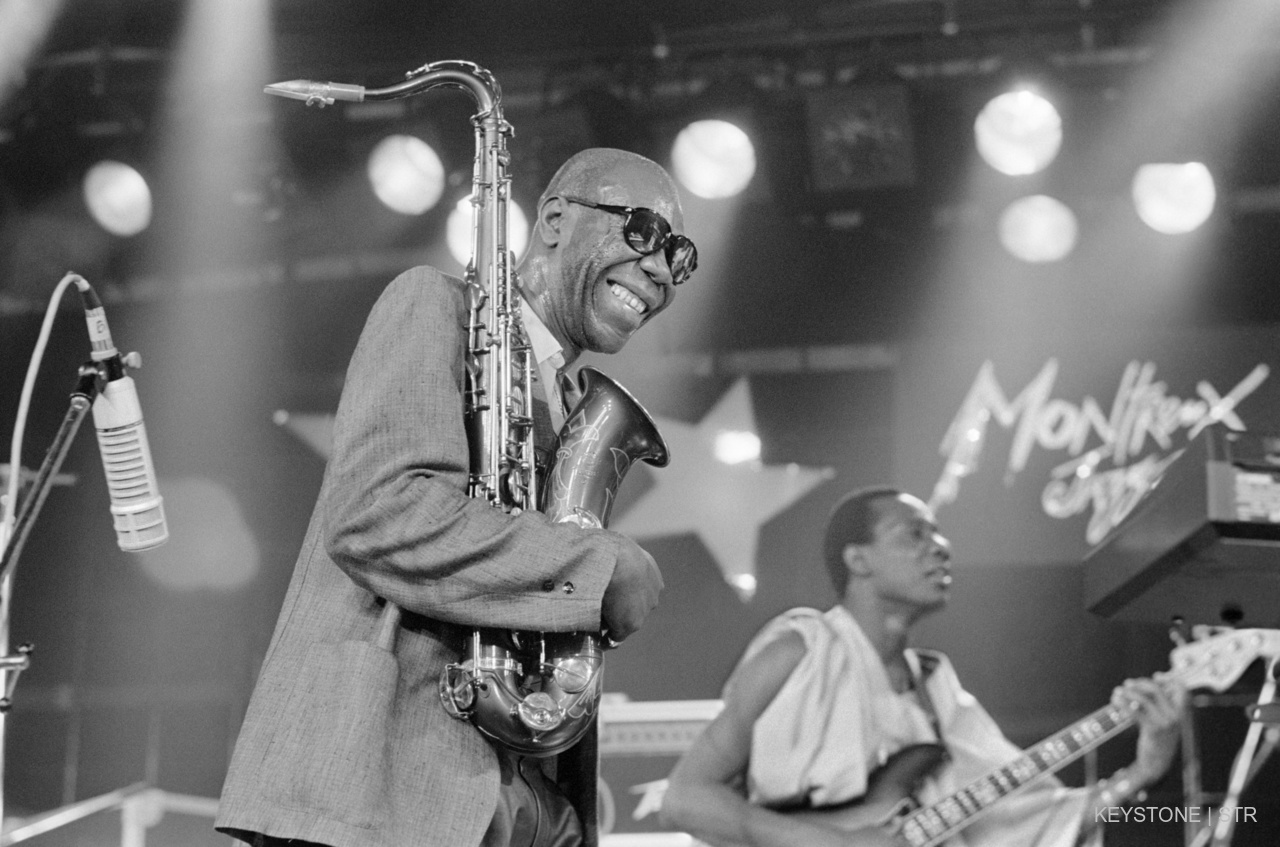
854, 561
550, 220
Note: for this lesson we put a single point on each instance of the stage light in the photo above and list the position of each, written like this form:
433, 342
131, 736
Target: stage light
459, 230
1018, 132
1038, 229
860, 137
745, 584
1174, 198
733, 447
24, 25
118, 198
406, 174
713, 159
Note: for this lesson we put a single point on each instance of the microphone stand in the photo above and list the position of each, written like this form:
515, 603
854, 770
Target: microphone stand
88, 385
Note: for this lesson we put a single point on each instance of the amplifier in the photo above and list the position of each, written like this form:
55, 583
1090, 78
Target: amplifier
640, 742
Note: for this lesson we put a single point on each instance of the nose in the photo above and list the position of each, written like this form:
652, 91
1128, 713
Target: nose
655, 266
940, 547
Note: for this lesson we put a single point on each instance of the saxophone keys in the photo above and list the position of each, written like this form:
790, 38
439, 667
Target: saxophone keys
540, 712
574, 673
457, 694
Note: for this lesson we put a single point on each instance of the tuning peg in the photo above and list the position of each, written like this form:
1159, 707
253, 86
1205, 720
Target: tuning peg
1201, 631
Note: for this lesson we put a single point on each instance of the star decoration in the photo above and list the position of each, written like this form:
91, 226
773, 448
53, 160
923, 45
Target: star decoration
723, 504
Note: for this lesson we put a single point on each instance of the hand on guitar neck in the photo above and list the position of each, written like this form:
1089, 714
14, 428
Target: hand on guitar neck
1160, 707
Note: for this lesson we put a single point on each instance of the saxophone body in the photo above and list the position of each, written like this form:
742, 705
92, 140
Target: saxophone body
537, 693
533, 693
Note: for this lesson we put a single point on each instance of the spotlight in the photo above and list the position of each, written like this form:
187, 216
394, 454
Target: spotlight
1018, 132
860, 137
1174, 198
459, 230
118, 198
745, 585
713, 159
406, 174
733, 447
1038, 229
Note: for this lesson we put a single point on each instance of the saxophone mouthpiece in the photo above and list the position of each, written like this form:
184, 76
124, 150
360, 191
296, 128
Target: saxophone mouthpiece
316, 93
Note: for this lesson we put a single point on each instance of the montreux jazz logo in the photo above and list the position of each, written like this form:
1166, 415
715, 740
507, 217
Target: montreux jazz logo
1112, 458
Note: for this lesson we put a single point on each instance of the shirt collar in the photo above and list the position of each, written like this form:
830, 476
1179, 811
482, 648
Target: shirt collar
546, 349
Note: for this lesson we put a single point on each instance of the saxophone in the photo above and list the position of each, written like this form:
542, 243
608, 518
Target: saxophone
533, 693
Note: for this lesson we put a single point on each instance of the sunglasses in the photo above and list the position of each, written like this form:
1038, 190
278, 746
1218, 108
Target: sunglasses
648, 232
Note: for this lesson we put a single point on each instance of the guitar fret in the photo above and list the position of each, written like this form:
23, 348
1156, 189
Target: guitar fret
986, 791
999, 780
933, 822
1005, 780
966, 799
1022, 770
914, 833
951, 811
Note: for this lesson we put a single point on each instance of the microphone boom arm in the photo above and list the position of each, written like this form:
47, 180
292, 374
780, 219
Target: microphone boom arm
88, 386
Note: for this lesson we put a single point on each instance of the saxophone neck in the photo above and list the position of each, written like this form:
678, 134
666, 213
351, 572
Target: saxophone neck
455, 73
451, 73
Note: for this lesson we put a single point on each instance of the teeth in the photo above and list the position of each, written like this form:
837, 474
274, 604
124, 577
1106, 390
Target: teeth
627, 297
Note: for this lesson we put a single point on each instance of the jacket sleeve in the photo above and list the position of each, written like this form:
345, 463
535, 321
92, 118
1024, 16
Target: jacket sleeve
397, 517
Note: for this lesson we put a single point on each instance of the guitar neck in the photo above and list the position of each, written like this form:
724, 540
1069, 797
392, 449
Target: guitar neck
933, 824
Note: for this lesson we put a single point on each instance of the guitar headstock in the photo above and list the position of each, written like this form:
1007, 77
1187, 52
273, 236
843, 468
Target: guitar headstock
1217, 658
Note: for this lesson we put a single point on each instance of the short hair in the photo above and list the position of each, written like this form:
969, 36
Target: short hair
852, 521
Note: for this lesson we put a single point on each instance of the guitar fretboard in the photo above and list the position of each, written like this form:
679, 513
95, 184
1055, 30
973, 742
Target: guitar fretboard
932, 824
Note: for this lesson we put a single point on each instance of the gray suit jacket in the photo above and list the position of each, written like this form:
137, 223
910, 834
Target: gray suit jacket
345, 743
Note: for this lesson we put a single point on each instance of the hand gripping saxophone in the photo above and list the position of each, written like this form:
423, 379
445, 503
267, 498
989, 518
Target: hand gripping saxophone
534, 693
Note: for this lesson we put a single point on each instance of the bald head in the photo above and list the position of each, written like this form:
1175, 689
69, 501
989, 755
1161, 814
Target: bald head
586, 172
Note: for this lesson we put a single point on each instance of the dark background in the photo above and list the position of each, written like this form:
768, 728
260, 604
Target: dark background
247, 294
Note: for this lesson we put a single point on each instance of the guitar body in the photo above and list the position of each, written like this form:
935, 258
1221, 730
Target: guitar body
890, 792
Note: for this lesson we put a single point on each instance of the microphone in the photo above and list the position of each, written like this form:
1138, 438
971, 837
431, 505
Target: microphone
137, 508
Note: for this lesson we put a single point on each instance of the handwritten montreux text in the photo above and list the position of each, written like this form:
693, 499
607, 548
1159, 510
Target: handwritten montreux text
1144, 416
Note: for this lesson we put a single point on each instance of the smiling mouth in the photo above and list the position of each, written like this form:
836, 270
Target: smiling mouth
628, 299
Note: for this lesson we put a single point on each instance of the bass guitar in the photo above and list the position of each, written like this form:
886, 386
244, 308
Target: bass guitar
888, 815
